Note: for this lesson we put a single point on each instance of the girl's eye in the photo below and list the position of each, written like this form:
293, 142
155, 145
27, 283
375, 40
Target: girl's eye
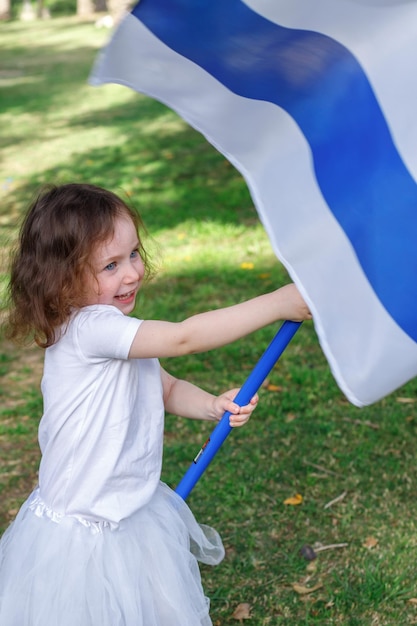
110, 266
134, 254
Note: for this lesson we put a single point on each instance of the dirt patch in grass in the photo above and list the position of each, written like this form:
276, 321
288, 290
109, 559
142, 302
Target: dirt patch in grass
21, 370
20, 375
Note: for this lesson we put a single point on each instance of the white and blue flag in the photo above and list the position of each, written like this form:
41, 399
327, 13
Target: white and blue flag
315, 103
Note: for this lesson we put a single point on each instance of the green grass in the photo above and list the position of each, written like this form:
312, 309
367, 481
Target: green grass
211, 251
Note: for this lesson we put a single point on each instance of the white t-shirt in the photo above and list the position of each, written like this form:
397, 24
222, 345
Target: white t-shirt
101, 433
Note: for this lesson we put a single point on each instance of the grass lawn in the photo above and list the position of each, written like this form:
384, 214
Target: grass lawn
354, 469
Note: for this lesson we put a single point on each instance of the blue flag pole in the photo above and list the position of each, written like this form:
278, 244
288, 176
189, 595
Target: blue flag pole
248, 390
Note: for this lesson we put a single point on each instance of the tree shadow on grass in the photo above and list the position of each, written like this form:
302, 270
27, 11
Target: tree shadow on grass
169, 175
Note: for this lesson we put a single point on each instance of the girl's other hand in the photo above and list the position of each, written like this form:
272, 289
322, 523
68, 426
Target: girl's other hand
239, 414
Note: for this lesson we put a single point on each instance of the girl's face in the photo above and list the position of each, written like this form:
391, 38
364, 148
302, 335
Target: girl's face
118, 268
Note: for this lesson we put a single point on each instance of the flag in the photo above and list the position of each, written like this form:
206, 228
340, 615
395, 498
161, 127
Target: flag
314, 102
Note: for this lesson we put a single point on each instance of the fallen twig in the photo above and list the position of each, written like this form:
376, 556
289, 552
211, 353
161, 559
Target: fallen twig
331, 546
335, 500
361, 423
310, 553
323, 469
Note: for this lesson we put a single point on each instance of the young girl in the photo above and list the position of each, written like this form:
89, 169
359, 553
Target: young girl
101, 541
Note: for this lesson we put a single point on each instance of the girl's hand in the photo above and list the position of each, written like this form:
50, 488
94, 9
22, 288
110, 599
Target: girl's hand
239, 415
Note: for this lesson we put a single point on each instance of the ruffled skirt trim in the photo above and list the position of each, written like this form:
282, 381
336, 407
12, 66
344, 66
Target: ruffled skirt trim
59, 571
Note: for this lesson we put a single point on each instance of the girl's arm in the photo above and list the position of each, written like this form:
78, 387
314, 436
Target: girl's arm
213, 329
187, 400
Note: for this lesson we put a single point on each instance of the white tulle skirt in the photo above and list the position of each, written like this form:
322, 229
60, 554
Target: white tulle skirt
143, 573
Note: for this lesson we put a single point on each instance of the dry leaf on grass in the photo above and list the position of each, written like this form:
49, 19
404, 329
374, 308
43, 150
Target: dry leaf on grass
290, 417
294, 500
242, 611
302, 590
271, 387
370, 542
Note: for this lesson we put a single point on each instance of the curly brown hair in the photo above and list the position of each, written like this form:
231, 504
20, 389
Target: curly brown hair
58, 235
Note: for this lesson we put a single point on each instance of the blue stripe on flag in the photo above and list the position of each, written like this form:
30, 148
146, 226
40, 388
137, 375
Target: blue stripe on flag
322, 86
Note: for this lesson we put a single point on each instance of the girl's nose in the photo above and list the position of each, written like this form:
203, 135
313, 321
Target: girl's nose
134, 272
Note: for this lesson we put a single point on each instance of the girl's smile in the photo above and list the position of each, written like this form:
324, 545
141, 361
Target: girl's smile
127, 297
